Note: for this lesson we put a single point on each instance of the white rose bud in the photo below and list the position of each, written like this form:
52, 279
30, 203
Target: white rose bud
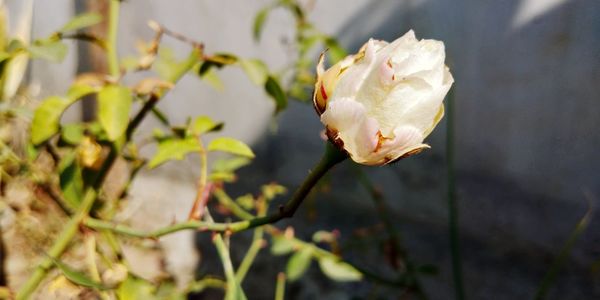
379, 104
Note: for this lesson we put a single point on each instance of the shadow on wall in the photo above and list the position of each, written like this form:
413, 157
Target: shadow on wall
527, 143
526, 93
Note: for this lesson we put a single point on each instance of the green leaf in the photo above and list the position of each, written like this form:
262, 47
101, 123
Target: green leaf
338, 270
167, 290
230, 145
114, 105
272, 190
204, 124
46, 119
281, 245
230, 164
222, 176
169, 68
213, 80
170, 149
78, 91
82, 21
216, 61
246, 201
299, 263
135, 289
308, 42
71, 181
221, 59
51, 50
323, 236
72, 133
76, 276
259, 22
273, 88
256, 70
335, 52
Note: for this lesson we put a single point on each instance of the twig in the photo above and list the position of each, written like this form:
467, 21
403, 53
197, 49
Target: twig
178, 36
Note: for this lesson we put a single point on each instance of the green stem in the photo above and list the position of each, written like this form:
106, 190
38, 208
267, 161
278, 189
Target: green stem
280, 287
207, 282
257, 244
233, 291
452, 201
60, 245
113, 26
331, 157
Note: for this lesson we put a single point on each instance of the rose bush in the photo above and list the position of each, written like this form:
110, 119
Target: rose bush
380, 104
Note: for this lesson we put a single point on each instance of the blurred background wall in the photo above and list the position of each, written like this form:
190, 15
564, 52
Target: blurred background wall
527, 142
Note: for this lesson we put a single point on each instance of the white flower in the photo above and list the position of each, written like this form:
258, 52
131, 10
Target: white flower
381, 103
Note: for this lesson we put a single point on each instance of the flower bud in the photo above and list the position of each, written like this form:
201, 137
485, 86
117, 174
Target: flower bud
380, 104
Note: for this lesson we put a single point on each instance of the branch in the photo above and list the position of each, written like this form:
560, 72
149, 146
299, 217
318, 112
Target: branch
113, 26
331, 157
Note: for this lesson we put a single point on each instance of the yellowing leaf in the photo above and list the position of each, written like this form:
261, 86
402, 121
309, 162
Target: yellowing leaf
170, 149
114, 105
338, 270
227, 144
